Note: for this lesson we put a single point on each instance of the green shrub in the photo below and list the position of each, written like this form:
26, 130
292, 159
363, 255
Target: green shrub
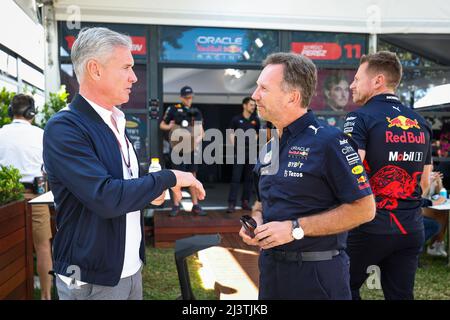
5, 100
56, 102
10, 187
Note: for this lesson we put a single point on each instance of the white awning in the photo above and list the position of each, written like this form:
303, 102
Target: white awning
358, 16
21, 34
436, 96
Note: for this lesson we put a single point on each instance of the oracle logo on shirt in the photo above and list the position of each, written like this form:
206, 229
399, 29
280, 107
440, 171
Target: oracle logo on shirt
300, 152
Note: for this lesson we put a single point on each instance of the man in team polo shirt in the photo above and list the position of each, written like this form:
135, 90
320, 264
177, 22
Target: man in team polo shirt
394, 143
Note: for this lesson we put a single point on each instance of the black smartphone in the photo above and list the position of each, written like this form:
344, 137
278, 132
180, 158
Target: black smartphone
249, 225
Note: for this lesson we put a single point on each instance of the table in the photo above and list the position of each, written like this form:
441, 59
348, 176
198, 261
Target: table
445, 207
47, 198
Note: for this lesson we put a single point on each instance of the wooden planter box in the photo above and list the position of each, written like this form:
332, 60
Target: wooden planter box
16, 251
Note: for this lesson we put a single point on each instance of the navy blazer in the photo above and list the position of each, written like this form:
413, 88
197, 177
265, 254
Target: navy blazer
84, 166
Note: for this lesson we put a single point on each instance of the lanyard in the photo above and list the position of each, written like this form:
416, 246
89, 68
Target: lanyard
127, 164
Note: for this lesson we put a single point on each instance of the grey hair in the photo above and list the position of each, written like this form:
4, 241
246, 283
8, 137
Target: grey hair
299, 72
95, 43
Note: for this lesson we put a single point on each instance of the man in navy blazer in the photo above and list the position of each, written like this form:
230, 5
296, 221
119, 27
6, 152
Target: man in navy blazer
93, 173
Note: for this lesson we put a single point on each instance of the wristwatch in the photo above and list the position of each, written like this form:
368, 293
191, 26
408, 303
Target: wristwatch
297, 231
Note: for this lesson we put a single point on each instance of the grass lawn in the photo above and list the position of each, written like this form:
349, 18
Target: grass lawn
160, 279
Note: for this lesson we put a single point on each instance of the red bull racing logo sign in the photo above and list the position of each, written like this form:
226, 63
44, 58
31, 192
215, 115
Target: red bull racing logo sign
223, 45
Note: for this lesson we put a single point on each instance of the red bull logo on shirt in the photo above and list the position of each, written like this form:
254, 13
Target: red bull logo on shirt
405, 137
361, 179
402, 122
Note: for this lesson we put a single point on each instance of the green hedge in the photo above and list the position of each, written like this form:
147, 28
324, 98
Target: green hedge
10, 187
56, 102
5, 100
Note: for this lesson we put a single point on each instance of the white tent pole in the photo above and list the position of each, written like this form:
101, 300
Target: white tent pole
373, 43
51, 70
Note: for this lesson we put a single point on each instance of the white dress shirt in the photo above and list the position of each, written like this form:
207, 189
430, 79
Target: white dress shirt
21, 146
133, 235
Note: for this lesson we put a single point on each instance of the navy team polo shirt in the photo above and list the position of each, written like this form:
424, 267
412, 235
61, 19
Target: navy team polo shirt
397, 144
240, 122
319, 169
179, 113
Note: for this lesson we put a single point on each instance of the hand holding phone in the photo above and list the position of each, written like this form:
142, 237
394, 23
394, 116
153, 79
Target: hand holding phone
249, 225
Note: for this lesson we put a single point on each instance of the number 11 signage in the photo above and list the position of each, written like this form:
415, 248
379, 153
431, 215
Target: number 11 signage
330, 48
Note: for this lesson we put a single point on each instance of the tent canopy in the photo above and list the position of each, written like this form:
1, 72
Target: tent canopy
436, 96
358, 16
435, 47
422, 27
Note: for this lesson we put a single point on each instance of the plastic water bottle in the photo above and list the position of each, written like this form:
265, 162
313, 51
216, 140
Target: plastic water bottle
443, 193
154, 165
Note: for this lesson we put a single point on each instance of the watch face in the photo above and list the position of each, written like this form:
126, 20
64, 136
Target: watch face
297, 233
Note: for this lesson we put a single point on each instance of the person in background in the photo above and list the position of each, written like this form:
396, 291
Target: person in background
434, 216
21, 147
394, 143
336, 91
184, 115
248, 122
443, 149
